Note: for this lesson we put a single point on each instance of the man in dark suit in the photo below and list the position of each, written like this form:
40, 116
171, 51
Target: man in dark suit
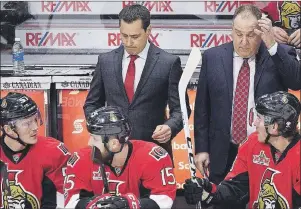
232, 76
140, 78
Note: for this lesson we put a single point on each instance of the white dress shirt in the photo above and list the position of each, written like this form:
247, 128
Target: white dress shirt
139, 64
237, 63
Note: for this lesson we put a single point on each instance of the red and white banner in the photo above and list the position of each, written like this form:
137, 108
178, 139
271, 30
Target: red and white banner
170, 7
99, 38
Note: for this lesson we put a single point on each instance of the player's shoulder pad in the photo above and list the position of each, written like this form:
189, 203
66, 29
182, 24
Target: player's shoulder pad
52, 146
83, 155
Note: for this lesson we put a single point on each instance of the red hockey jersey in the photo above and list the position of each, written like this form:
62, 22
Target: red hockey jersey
285, 14
147, 164
274, 180
32, 179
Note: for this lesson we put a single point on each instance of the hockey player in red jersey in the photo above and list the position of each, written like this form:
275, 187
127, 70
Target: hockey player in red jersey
267, 168
31, 166
110, 173
286, 18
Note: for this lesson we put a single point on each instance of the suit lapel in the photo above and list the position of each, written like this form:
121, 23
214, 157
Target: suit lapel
259, 67
227, 58
152, 57
118, 70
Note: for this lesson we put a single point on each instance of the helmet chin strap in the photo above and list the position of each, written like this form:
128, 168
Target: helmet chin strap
18, 139
267, 138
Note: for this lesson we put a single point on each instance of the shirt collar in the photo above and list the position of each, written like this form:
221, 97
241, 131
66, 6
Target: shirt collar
236, 56
142, 54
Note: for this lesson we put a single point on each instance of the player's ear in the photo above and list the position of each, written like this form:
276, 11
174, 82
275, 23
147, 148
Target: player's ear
114, 144
275, 128
9, 130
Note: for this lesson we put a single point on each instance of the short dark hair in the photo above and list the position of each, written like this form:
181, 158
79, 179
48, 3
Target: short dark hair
135, 12
248, 8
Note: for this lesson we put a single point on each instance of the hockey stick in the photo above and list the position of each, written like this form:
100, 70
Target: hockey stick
192, 63
97, 158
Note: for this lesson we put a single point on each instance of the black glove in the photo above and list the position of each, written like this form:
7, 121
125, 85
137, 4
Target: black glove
203, 192
91, 203
127, 201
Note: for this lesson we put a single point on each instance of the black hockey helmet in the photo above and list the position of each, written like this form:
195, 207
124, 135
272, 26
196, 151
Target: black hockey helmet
280, 107
109, 121
16, 106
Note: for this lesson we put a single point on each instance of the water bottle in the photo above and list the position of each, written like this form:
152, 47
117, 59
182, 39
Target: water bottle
18, 57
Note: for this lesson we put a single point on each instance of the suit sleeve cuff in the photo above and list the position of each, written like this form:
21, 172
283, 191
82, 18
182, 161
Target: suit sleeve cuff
173, 128
273, 49
200, 146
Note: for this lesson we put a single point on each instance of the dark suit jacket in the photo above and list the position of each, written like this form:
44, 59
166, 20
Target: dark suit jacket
213, 105
158, 86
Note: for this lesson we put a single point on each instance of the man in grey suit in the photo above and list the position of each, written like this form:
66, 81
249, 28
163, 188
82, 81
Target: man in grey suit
140, 78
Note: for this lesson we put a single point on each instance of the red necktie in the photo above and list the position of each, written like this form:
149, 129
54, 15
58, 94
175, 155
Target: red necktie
130, 78
240, 110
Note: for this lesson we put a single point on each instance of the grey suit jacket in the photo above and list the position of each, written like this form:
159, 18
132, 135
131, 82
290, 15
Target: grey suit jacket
158, 86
